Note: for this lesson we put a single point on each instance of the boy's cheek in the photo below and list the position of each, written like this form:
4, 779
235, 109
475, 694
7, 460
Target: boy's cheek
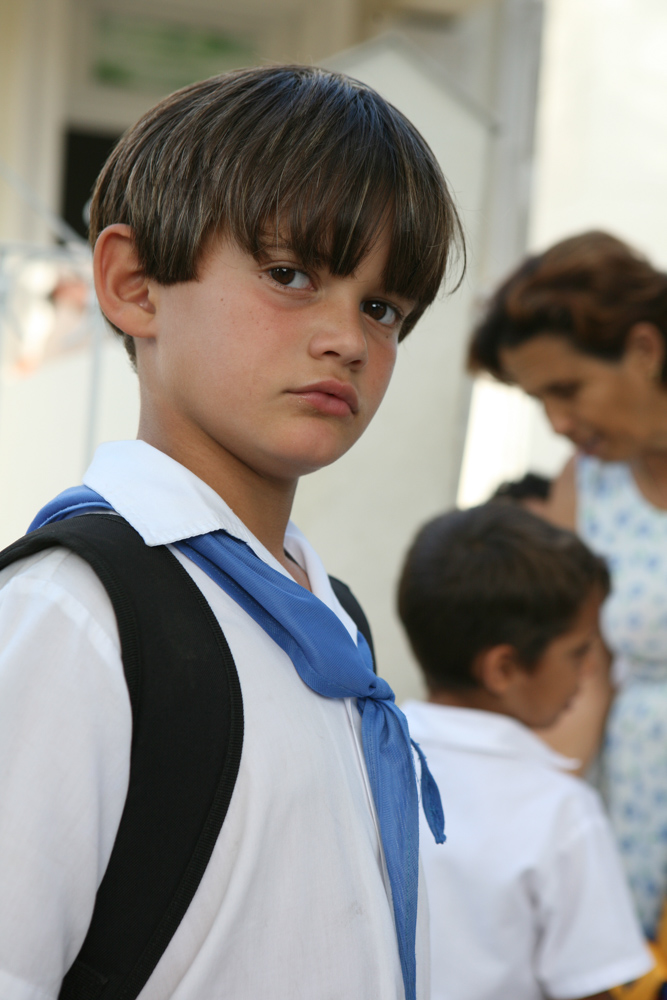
380, 371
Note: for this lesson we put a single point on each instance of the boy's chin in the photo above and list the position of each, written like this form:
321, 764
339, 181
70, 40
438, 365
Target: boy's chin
296, 466
545, 723
287, 452
300, 458
292, 463
550, 719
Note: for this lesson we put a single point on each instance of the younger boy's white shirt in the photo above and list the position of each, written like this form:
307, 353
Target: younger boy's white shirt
527, 897
295, 902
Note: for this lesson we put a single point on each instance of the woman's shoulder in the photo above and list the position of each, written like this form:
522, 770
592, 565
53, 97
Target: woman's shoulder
586, 480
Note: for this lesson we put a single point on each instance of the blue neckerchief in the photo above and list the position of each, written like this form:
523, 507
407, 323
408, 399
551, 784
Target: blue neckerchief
328, 661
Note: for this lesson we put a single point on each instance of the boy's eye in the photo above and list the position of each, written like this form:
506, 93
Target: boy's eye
290, 277
582, 650
564, 390
381, 312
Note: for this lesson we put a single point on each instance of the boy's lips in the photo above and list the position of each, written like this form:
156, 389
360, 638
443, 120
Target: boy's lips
337, 399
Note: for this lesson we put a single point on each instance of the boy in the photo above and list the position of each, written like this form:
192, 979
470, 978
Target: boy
263, 240
527, 898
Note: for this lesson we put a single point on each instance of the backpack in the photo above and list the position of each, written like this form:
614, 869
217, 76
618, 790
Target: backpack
187, 738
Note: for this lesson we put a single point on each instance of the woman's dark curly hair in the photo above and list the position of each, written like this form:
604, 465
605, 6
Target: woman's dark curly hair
590, 289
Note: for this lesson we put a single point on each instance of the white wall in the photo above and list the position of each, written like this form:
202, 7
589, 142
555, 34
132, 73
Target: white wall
34, 50
603, 123
44, 421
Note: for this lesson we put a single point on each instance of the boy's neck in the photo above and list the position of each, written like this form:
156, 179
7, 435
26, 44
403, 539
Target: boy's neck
477, 698
264, 505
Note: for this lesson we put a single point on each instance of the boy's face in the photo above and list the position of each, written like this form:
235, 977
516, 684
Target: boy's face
542, 694
261, 362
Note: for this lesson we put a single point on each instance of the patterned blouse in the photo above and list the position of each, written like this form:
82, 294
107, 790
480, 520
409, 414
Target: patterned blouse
617, 522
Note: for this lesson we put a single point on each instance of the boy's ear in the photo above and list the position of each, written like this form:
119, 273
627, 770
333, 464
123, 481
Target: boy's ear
497, 668
123, 291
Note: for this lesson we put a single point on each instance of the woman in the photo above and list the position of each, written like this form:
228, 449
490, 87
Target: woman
583, 328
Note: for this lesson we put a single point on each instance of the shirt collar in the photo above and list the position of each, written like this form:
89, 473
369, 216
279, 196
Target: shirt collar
166, 503
481, 732
161, 499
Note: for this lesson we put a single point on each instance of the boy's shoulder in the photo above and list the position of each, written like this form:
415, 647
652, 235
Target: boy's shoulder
530, 857
507, 762
57, 584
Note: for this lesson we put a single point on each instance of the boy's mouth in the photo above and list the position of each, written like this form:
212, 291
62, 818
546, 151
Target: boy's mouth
334, 398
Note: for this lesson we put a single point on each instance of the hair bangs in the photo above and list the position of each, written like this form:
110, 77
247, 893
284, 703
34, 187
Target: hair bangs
332, 217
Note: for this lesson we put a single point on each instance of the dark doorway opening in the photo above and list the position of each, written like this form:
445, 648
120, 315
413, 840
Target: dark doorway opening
85, 155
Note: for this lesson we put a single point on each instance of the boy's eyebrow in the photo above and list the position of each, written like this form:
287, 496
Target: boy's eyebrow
558, 385
277, 244
271, 249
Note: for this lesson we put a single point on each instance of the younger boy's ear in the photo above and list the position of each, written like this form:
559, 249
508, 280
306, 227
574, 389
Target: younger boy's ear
496, 669
123, 291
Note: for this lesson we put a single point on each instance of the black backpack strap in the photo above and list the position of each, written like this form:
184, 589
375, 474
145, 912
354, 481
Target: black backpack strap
355, 611
186, 750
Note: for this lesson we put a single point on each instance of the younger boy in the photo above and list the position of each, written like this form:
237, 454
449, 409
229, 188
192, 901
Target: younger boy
263, 240
527, 897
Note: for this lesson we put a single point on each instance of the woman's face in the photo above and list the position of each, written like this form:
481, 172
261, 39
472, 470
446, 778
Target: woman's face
606, 408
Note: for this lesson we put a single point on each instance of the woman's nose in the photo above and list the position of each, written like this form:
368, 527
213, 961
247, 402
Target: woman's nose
560, 418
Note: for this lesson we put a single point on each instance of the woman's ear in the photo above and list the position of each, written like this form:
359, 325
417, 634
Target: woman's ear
124, 293
645, 351
496, 669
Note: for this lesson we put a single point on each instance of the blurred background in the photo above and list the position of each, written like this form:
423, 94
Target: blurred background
549, 117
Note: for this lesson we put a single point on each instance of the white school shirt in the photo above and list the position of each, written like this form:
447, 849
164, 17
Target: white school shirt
294, 904
527, 898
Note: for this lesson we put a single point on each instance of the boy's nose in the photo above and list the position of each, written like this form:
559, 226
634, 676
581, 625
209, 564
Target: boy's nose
339, 331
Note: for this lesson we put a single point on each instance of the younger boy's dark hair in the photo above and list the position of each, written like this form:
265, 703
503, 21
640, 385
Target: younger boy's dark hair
532, 486
487, 576
286, 155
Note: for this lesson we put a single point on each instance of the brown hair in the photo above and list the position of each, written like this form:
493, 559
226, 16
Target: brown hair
312, 158
590, 289
487, 576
